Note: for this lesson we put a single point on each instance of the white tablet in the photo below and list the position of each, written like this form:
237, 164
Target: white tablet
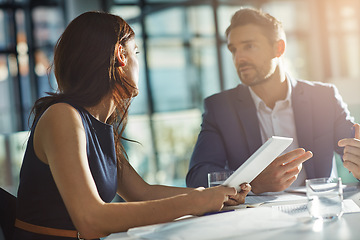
257, 162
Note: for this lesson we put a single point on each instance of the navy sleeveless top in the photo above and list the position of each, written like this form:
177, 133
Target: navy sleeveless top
38, 199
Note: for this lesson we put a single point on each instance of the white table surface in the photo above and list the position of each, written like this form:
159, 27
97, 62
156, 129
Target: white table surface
347, 227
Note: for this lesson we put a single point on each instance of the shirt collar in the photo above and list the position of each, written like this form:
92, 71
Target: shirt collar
259, 102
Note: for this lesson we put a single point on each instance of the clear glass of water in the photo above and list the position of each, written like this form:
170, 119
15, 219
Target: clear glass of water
325, 198
217, 178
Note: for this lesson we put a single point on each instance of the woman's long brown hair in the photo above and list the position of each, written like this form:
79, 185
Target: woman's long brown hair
86, 69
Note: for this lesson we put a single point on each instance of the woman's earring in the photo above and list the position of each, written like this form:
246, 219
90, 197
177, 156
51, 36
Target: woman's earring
119, 64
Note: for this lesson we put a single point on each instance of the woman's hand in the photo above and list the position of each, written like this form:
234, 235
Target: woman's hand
239, 198
210, 199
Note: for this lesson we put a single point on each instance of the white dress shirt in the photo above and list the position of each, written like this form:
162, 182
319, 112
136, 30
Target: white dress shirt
279, 121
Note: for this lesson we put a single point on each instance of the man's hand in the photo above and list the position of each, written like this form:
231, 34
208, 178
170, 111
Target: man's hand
281, 173
351, 155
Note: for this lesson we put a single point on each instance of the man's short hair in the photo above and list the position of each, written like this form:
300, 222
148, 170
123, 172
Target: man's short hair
272, 28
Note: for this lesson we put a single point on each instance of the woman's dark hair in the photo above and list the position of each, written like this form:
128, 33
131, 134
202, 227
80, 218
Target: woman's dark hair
86, 69
272, 28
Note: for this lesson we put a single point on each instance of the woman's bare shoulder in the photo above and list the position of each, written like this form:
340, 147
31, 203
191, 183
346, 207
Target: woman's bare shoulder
60, 117
59, 109
60, 113
58, 127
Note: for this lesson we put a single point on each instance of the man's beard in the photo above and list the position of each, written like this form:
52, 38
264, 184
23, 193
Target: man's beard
256, 79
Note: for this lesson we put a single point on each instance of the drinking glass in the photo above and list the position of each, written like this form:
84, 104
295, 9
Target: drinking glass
325, 198
217, 178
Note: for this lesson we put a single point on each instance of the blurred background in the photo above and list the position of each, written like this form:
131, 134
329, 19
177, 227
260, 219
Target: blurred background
183, 59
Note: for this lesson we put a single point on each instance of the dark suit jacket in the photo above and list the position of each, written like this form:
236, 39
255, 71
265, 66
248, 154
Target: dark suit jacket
230, 129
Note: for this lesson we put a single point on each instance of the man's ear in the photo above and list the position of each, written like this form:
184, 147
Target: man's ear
279, 48
120, 56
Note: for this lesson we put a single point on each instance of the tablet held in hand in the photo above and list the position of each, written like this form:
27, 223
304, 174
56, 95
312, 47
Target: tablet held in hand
257, 162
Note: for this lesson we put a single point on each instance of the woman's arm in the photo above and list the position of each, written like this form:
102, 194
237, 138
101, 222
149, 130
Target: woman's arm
132, 187
60, 141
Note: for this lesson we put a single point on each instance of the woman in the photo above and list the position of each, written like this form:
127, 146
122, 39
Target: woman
75, 164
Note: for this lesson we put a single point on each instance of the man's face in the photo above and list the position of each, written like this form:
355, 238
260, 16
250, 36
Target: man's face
253, 55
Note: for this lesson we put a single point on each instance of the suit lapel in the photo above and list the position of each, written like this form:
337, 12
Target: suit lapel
246, 112
302, 108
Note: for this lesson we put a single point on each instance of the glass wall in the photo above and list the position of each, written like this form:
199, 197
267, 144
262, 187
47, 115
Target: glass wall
342, 39
26, 46
9, 104
48, 26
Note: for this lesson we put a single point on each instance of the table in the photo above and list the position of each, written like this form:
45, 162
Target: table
347, 227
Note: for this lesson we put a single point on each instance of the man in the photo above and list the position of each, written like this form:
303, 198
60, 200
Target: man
269, 102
